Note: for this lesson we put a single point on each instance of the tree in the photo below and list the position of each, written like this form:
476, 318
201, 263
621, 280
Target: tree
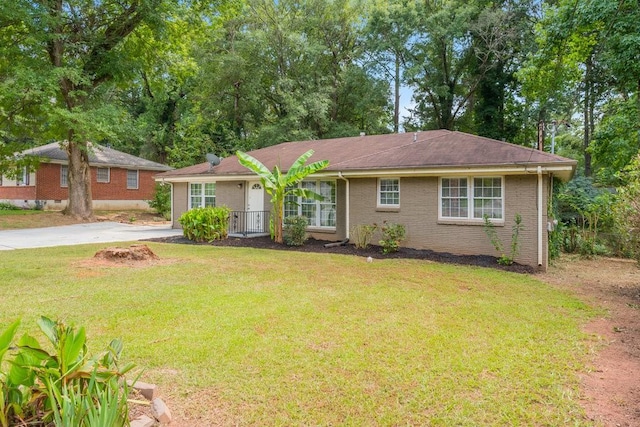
76, 49
387, 37
458, 43
279, 185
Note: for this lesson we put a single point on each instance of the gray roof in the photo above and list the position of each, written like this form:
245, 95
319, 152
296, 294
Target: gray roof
98, 156
421, 151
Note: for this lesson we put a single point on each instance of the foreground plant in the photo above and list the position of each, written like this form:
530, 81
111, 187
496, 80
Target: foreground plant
64, 387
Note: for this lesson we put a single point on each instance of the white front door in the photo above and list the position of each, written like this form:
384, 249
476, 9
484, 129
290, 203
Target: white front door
255, 207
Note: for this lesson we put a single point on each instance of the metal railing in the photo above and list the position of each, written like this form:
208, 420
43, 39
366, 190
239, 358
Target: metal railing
249, 222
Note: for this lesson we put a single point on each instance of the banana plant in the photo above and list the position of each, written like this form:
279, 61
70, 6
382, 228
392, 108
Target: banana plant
279, 185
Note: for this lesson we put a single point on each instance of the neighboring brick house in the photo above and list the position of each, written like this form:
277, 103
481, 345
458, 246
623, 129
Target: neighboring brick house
439, 184
118, 180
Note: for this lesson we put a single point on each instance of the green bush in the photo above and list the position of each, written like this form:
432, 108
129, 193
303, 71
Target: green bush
392, 235
6, 206
205, 224
295, 230
161, 201
66, 387
362, 234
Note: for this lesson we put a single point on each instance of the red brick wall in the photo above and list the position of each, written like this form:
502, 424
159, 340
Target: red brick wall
22, 192
48, 185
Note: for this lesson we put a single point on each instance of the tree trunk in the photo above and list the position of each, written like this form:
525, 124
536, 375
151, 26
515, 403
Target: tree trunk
80, 200
586, 116
396, 106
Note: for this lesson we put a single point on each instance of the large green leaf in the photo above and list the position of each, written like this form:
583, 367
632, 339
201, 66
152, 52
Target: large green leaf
49, 329
258, 168
72, 348
7, 337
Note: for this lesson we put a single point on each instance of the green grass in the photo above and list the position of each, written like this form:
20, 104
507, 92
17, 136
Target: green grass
309, 339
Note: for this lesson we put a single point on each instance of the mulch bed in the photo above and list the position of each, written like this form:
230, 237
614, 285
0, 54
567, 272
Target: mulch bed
313, 245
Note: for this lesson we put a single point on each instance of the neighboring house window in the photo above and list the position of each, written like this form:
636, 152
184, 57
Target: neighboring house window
471, 198
64, 176
389, 192
319, 213
103, 175
202, 195
23, 177
132, 179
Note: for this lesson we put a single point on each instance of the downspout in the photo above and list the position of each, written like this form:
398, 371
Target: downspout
540, 216
347, 207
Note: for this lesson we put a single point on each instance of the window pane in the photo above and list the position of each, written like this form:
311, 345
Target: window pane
487, 198
102, 174
64, 174
195, 191
210, 194
453, 198
132, 179
389, 192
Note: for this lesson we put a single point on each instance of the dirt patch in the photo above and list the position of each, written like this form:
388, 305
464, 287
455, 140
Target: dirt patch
132, 253
131, 217
612, 389
133, 256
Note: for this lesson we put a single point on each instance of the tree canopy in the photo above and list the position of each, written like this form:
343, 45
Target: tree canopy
172, 81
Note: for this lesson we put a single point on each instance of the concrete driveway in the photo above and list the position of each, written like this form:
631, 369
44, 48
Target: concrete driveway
95, 232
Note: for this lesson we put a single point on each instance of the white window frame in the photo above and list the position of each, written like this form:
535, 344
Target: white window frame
64, 176
202, 196
320, 207
23, 178
380, 203
471, 198
137, 177
102, 181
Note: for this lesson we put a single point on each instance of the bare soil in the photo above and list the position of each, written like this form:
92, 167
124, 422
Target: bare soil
611, 388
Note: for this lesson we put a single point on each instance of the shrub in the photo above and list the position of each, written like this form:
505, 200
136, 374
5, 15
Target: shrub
295, 230
6, 206
161, 201
504, 258
66, 387
205, 224
362, 235
392, 235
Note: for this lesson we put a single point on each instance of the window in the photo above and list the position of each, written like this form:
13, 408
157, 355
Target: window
319, 213
23, 177
484, 196
103, 175
64, 176
132, 179
202, 195
389, 192
487, 198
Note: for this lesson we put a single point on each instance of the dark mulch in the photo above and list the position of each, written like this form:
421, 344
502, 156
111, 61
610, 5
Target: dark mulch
313, 245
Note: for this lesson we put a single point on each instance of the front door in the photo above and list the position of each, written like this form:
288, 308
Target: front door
255, 207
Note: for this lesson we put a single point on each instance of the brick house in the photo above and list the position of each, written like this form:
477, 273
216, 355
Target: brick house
439, 184
118, 180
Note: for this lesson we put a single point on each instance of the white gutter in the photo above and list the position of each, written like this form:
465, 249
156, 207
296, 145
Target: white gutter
347, 207
540, 215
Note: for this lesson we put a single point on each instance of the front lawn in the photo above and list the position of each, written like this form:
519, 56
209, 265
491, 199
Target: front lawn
258, 337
